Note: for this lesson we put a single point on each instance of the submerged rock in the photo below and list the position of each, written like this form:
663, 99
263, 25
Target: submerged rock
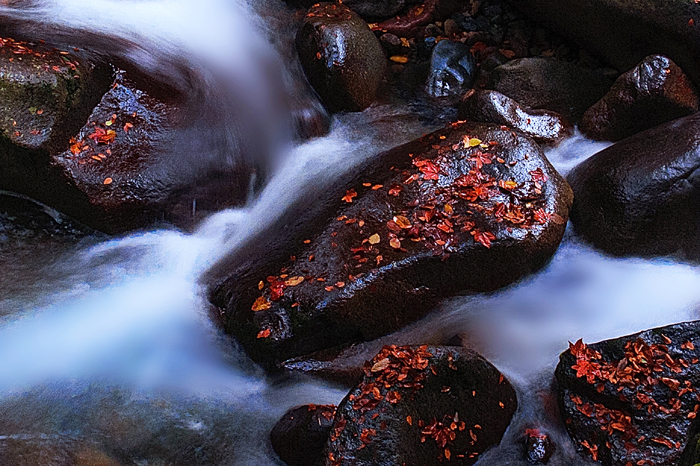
422, 405
623, 32
300, 436
543, 126
550, 84
654, 92
51, 450
341, 56
452, 70
472, 207
641, 196
633, 400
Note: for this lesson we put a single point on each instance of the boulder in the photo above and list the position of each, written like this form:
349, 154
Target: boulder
623, 32
654, 92
641, 196
634, 399
543, 126
422, 405
46, 95
452, 70
341, 56
300, 436
417, 17
374, 9
550, 84
472, 207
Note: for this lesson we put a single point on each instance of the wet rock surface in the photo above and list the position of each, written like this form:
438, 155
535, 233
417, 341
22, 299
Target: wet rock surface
543, 126
632, 400
300, 436
373, 9
654, 92
539, 447
46, 94
545, 83
342, 58
623, 32
452, 70
640, 196
472, 207
422, 405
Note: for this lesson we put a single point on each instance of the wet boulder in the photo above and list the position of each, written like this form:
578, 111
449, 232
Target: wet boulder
422, 405
550, 84
452, 70
341, 56
300, 436
374, 9
654, 92
417, 17
633, 400
472, 207
543, 126
46, 95
641, 196
623, 32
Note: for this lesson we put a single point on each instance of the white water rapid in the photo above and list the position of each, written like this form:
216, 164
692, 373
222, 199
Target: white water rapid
112, 345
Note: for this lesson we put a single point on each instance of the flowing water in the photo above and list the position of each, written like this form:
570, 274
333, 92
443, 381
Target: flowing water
108, 347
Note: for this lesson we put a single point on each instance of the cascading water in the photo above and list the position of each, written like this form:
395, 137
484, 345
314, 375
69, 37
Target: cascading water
111, 348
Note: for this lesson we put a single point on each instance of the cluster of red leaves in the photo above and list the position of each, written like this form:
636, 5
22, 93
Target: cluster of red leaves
17, 47
641, 373
444, 434
92, 147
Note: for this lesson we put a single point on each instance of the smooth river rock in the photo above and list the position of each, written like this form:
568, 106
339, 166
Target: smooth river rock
623, 32
300, 436
543, 126
641, 196
472, 207
550, 84
654, 92
422, 405
452, 70
634, 399
341, 56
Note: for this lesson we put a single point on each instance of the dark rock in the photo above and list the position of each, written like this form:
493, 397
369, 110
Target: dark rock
46, 95
623, 32
300, 436
451, 27
654, 92
544, 83
341, 56
543, 126
383, 249
375, 9
450, 404
641, 196
419, 16
452, 70
539, 447
632, 400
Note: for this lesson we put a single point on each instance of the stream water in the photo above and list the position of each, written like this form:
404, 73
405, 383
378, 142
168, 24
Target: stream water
108, 346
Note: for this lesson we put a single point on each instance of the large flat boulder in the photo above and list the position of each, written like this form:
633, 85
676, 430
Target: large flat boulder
472, 207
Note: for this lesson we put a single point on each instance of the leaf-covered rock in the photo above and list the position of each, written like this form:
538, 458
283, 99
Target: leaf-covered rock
422, 405
543, 126
641, 196
634, 399
472, 207
656, 91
